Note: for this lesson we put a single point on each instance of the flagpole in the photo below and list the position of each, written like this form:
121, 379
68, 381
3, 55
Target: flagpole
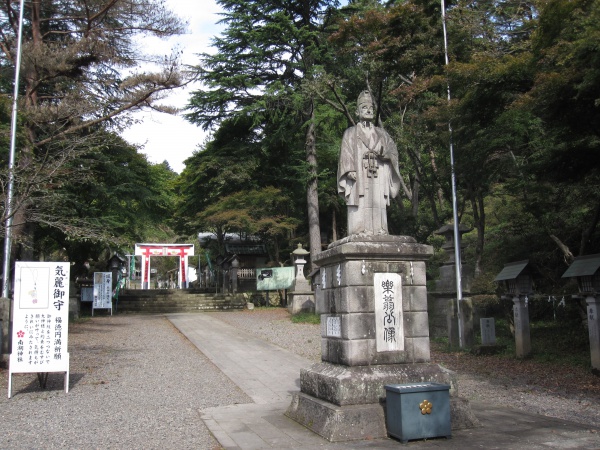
457, 259
8, 206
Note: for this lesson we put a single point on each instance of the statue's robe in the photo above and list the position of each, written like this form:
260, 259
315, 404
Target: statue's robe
371, 154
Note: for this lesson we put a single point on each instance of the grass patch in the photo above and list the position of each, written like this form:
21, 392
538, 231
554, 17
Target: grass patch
307, 317
552, 342
81, 319
560, 343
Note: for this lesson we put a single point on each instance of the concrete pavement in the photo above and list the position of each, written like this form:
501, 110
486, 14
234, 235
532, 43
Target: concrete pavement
270, 374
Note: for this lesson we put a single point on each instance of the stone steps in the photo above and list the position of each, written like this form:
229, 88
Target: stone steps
164, 301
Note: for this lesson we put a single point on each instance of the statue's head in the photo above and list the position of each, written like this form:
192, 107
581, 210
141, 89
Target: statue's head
364, 106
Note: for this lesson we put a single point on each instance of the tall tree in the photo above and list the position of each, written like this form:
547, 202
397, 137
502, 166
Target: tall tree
267, 49
80, 75
120, 192
398, 48
259, 212
555, 182
228, 163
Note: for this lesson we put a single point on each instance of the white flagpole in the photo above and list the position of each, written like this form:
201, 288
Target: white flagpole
11, 163
457, 260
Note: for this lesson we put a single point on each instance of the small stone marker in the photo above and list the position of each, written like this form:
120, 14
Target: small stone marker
522, 333
488, 331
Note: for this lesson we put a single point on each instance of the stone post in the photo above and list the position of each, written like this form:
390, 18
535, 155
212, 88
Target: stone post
522, 335
233, 275
594, 330
74, 301
466, 318
444, 305
225, 281
488, 331
206, 277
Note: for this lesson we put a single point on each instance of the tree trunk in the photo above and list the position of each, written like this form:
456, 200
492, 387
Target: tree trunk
587, 233
22, 232
334, 226
312, 195
567, 254
479, 219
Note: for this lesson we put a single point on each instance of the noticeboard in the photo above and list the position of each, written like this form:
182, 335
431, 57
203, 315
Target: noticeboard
273, 278
40, 319
102, 291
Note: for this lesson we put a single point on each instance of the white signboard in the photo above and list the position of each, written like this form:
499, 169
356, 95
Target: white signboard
102, 291
389, 327
40, 320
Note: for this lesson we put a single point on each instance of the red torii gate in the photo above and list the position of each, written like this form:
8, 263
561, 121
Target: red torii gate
148, 250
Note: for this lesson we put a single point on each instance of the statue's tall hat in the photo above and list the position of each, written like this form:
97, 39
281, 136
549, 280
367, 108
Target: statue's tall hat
364, 97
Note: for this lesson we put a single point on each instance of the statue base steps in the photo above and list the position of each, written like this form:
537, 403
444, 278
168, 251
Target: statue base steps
342, 403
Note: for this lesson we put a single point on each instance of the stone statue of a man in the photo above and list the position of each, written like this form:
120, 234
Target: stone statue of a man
368, 175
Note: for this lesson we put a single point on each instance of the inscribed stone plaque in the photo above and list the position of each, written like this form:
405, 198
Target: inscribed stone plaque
488, 331
389, 328
334, 326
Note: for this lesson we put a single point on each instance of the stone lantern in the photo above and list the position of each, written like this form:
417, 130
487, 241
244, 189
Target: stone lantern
586, 269
516, 280
233, 273
116, 264
229, 266
301, 298
300, 254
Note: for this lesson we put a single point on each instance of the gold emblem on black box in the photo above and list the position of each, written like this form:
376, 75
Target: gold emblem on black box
425, 407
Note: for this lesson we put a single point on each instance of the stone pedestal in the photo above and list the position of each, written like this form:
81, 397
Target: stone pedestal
452, 320
593, 305
443, 299
300, 302
522, 334
342, 398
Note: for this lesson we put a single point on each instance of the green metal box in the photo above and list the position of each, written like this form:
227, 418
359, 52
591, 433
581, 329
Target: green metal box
418, 410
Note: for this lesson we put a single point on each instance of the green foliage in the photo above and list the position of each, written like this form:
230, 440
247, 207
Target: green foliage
524, 83
122, 194
262, 212
78, 188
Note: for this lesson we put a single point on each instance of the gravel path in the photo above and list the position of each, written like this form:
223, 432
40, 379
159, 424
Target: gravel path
136, 382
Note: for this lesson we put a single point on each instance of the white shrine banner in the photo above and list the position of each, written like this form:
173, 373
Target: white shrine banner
40, 319
389, 326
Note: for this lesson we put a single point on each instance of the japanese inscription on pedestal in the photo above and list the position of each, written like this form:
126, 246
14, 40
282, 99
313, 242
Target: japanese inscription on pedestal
389, 329
334, 326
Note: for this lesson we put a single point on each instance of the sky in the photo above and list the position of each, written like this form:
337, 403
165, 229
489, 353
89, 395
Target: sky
164, 136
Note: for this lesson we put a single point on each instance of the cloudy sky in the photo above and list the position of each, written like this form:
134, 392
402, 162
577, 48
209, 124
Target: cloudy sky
163, 136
